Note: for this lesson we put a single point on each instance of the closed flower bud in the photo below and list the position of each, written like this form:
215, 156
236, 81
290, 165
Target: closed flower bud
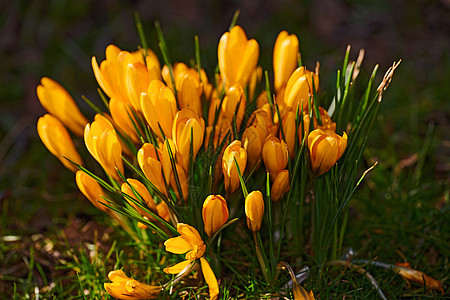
275, 155
163, 211
254, 210
143, 193
111, 74
253, 144
91, 189
280, 185
124, 287
187, 128
237, 56
57, 101
153, 65
305, 132
327, 122
299, 89
255, 78
214, 213
231, 176
151, 166
233, 106
159, 107
289, 132
123, 118
285, 58
102, 142
325, 149
137, 80
57, 140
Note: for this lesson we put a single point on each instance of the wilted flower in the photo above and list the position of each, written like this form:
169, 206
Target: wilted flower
254, 210
124, 287
231, 176
237, 56
91, 189
325, 149
275, 155
102, 142
299, 89
285, 58
57, 140
214, 213
57, 101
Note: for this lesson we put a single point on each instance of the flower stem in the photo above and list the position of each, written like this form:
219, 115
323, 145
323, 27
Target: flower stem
260, 257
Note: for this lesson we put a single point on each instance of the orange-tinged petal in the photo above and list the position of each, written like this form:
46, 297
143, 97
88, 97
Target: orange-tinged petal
280, 185
124, 287
91, 189
178, 245
179, 267
214, 213
210, 279
254, 210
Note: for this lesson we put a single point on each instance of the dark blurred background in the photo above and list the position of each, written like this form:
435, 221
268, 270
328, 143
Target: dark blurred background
57, 38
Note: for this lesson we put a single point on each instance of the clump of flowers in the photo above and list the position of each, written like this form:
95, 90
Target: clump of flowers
180, 149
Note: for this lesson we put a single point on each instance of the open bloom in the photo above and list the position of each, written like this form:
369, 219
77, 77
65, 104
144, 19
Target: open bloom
285, 55
325, 149
57, 101
299, 88
102, 142
231, 176
91, 189
124, 287
190, 242
254, 210
237, 56
57, 140
214, 213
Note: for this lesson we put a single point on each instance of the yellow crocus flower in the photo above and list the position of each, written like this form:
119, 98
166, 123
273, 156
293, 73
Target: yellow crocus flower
254, 210
187, 128
275, 155
237, 56
102, 142
285, 56
149, 161
299, 89
233, 106
91, 189
252, 143
57, 140
58, 102
214, 213
123, 117
124, 287
289, 132
325, 149
231, 177
142, 192
280, 185
159, 107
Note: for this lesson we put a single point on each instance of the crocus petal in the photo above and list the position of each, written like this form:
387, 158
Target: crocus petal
178, 267
210, 279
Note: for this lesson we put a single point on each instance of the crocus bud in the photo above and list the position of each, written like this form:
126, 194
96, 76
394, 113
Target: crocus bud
327, 122
102, 142
255, 78
91, 189
151, 166
233, 106
124, 287
111, 74
214, 213
299, 89
137, 80
187, 128
280, 185
252, 143
159, 107
325, 149
289, 132
254, 210
163, 211
237, 56
123, 118
143, 193
305, 132
57, 140
285, 55
231, 176
57, 101
275, 155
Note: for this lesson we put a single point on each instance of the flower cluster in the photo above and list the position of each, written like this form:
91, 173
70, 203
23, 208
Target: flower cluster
179, 149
